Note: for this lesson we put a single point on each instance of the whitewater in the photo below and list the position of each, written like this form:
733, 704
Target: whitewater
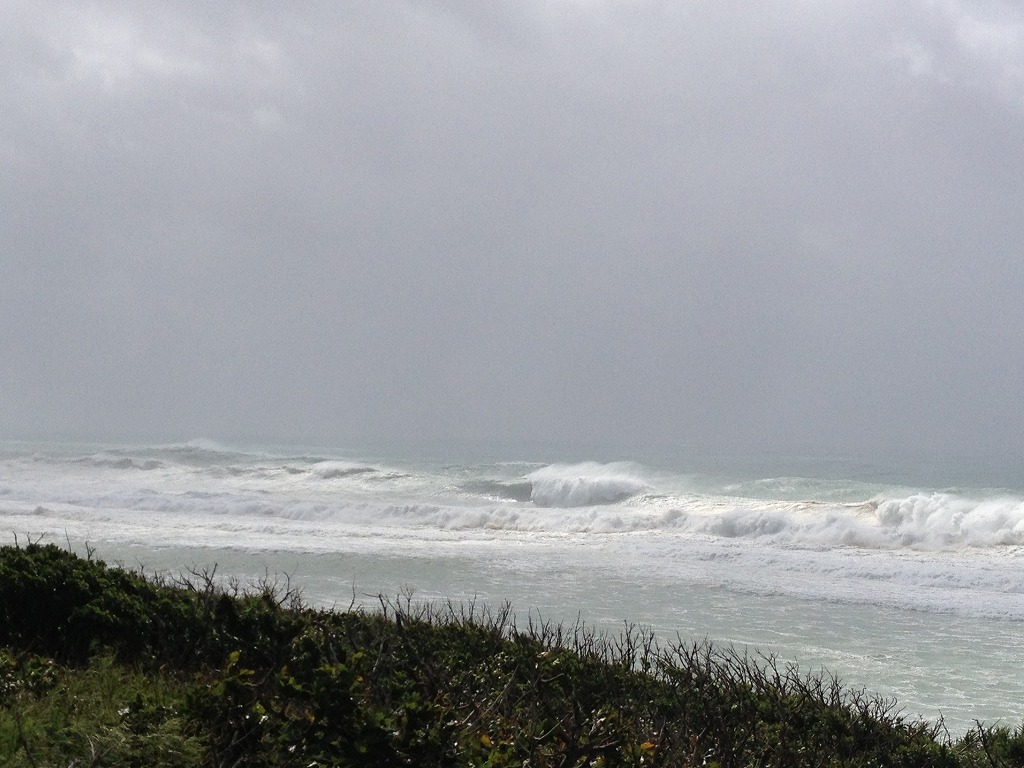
910, 589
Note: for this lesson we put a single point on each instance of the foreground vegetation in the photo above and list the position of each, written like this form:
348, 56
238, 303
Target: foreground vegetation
103, 667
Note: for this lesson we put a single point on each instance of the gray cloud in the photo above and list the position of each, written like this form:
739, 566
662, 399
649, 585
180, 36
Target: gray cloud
638, 222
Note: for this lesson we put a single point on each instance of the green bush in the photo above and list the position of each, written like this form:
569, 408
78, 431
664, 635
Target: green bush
100, 666
104, 714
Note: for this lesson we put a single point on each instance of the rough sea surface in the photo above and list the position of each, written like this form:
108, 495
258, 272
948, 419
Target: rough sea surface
903, 582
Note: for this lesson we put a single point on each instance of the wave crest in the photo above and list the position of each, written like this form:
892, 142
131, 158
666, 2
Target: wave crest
331, 470
585, 485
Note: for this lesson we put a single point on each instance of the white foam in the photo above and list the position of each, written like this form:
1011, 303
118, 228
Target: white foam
941, 520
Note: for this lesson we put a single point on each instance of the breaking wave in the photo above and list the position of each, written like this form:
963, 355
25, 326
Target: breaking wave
944, 520
920, 521
570, 498
585, 485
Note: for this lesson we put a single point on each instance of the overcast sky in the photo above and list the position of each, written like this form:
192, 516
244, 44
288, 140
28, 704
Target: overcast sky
765, 225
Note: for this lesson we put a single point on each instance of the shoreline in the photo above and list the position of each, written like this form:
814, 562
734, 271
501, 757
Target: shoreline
260, 677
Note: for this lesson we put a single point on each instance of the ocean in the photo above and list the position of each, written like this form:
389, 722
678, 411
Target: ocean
904, 579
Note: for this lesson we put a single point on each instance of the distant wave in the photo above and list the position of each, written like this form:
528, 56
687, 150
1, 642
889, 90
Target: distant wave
201, 478
199, 445
114, 461
330, 470
585, 485
936, 522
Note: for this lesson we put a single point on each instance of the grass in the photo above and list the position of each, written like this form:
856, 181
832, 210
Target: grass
102, 667
103, 714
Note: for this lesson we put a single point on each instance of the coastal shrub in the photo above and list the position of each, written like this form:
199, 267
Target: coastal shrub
101, 666
306, 712
67, 607
992, 747
104, 714
63, 606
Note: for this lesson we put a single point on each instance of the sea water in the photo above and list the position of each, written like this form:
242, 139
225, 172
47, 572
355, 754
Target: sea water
907, 582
